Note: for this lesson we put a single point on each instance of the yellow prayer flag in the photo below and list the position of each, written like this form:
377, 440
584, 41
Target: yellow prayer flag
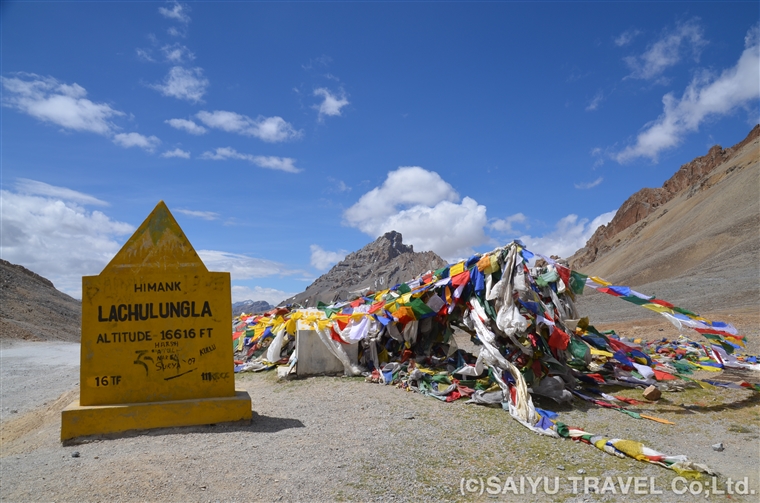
456, 269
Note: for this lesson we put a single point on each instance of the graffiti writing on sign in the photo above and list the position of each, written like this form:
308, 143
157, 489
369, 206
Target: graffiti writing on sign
214, 376
164, 360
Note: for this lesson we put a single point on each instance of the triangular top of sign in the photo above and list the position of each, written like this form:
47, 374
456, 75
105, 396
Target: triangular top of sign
158, 244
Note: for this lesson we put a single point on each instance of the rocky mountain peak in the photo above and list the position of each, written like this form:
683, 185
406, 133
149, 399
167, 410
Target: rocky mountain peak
381, 264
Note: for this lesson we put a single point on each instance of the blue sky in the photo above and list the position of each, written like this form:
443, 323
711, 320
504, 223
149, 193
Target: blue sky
284, 135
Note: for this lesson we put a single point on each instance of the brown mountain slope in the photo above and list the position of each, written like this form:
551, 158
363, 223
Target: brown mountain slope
695, 242
31, 308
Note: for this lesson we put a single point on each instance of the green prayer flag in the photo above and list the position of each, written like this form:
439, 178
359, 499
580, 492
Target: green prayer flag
577, 282
420, 309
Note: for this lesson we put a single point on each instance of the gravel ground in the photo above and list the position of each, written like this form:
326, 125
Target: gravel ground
34, 374
341, 439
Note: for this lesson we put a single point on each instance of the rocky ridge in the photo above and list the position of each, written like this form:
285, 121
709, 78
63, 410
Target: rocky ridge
32, 309
250, 307
690, 179
381, 264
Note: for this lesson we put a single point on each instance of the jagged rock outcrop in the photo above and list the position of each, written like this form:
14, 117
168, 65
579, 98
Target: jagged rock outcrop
250, 307
381, 264
32, 309
691, 178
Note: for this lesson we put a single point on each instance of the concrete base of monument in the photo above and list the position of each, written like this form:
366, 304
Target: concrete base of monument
80, 421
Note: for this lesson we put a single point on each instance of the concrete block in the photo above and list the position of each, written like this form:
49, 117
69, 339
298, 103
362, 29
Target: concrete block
83, 420
315, 358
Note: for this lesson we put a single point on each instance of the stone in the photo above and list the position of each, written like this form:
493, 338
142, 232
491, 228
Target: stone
718, 447
652, 393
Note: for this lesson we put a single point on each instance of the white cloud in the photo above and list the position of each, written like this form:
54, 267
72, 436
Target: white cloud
335, 186
186, 125
626, 37
271, 295
174, 32
205, 215
594, 104
243, 267
144, 55
706, 96
278, 163
56, 237
504, 225
667, 51
322, 259
128, 140
406, 187
49, 100
177, 53
286, 164
184, 83
331, 104
178, 12
177, 152
269, 129
589, 185
569, 235
424, 209
34, 187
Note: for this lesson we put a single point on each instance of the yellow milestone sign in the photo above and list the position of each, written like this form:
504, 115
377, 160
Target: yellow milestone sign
156, 347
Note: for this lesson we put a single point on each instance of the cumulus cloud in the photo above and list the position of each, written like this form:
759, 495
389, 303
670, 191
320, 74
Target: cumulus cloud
322, 259
424, 209
504, 225
177, 152
270, 295
589, 185
668, 51
569, 235
286, 164
269, 129
177, 12
49, 100
187, 126
706, 96
128, 140
205, 215
331, 104
243, 267
37, 188
53, 235
187, 84
626, 37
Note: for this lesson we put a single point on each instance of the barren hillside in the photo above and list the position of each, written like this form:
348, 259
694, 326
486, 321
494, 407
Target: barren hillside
32, 309
694, 242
